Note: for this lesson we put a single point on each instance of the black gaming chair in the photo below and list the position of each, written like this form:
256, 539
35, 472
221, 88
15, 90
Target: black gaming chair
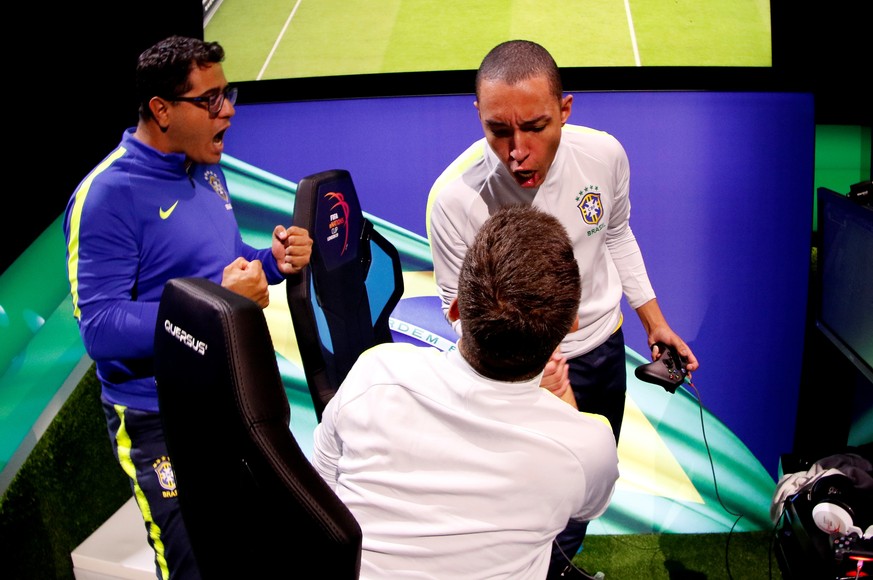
253, 504
341, 304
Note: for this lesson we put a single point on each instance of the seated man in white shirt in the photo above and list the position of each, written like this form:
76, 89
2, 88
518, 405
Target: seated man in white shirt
457, 464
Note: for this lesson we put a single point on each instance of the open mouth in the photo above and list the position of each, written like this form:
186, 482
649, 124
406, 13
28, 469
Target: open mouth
525, 178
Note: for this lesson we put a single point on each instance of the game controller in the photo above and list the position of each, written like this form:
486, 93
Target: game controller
668, 371
853, 546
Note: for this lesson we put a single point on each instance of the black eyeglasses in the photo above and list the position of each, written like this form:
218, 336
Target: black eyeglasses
214, 102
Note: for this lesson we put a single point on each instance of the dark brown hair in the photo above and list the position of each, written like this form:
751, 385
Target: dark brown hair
518, 293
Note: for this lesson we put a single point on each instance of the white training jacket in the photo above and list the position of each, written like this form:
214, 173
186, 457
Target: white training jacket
586, 189
453, 475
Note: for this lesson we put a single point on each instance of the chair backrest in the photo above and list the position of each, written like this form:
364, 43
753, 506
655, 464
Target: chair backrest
253, 504
340, 305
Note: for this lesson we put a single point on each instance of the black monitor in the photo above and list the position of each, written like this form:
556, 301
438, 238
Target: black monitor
845, 272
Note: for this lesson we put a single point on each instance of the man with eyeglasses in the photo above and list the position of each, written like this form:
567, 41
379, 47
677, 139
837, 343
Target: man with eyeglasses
157, 208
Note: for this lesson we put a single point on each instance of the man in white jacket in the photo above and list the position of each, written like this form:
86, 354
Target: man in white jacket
457, 464
530, 155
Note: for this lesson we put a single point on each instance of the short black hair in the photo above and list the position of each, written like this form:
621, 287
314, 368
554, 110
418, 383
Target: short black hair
517, 60
163, 70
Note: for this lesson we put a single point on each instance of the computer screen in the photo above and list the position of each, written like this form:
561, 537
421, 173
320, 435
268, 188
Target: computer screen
338, 49
337, 37
845, 265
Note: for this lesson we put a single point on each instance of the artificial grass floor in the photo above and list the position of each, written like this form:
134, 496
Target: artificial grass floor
71, 484
738, 556
68, 486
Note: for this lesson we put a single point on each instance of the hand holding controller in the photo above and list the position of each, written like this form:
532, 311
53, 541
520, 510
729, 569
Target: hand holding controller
668, 371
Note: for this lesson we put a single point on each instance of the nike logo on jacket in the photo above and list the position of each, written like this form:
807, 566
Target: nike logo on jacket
165, 213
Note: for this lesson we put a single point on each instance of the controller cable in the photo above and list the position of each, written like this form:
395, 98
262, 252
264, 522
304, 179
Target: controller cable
690, 383
670, 382
669, 371
571, 570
